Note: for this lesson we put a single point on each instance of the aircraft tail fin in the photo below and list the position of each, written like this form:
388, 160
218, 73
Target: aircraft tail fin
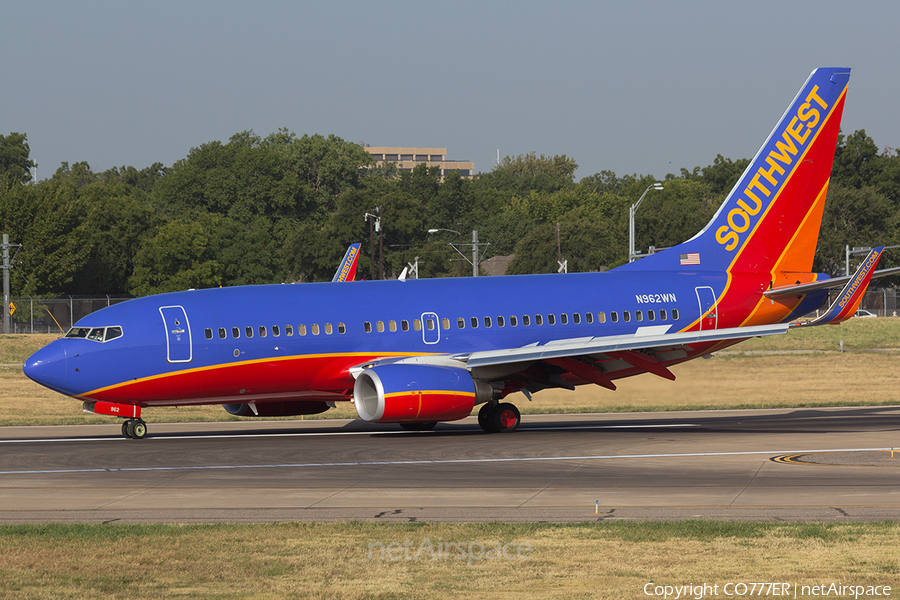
769, 223
347, 269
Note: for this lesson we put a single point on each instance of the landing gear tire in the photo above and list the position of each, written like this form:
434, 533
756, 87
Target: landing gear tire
499, 418
418, 426
138, 429
134, 429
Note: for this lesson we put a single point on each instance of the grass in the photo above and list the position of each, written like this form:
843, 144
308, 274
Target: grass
753, 374
345, 560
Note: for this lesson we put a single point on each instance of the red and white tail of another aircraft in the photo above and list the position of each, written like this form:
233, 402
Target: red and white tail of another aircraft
417, 352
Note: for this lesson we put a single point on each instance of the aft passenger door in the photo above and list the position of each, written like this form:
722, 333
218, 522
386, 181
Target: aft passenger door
706, 296
178, 334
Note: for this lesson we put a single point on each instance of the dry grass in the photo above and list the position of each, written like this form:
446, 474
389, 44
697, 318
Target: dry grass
598, 560
741, 378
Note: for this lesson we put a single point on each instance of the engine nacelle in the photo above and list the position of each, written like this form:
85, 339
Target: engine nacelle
413, 393
278, 409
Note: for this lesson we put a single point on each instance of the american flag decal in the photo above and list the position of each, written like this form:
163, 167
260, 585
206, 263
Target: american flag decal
691, 258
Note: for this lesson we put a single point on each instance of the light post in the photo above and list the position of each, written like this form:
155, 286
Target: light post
476, 259
633, 209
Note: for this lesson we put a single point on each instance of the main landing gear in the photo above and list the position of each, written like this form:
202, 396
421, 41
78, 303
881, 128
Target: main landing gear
134, 429
499, 417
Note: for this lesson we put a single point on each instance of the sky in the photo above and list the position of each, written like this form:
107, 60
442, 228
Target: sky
639, 87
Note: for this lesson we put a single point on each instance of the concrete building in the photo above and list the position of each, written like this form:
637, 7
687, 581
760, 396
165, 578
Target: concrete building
408, 158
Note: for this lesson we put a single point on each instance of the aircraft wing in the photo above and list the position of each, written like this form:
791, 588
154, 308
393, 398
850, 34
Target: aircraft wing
594, 358
851, 296
347, 269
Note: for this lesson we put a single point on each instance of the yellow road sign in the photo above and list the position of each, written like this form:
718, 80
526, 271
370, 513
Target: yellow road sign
12, 308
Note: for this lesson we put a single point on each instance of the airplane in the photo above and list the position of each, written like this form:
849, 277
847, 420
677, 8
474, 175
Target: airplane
417, 352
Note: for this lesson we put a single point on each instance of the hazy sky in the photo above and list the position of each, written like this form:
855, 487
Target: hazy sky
632, 87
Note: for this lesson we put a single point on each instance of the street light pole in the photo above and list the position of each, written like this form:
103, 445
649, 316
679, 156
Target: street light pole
633, 209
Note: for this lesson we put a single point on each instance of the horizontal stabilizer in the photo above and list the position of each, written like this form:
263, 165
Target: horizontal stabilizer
850, 297
827, 284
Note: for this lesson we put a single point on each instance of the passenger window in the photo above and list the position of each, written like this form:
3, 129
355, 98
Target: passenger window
626, 316
342, 329
222, 333
513, 322
289, 330
445, 324
404, 325
248, 331
314, 328
500, 322
563, 319
526, 320
474, 322
589, 317
576, 318
367, 327
613, 316
651, 315
674, 314
538, 320
262, 331
551, 319
662, 314
379, 326
207, 333
487, 321
417, 324
639, 315
461, 323
276, 331
328, 329
112, 333
392, 325
430, 324
301, 329
235, 332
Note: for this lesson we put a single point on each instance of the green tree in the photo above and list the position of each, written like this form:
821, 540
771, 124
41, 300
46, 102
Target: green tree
179, 256
528, 172
14, 157
856, 160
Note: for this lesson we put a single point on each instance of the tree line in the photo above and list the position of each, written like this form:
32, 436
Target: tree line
284, 208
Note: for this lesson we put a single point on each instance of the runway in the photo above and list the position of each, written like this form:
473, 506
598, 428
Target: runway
786, 464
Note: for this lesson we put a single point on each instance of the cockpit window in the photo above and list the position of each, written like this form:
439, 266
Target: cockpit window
97, 334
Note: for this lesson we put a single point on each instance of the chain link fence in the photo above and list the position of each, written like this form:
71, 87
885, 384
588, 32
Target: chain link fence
54, 315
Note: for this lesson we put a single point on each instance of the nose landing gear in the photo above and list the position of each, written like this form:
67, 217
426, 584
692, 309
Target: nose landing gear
134, 429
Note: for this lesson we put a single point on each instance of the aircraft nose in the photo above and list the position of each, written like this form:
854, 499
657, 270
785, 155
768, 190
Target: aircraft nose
47, 366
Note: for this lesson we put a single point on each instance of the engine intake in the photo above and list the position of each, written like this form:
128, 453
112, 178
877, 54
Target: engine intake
410, 393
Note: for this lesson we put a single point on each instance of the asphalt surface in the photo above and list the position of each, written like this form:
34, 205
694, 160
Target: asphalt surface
789, 464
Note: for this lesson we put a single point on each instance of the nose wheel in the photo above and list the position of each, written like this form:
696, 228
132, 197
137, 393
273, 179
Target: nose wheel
134, 429
499, 418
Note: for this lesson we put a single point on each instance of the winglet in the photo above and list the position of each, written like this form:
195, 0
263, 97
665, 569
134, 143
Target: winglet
850, 297
347, 269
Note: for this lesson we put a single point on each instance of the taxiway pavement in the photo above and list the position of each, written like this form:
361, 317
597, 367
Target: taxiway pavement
787, 464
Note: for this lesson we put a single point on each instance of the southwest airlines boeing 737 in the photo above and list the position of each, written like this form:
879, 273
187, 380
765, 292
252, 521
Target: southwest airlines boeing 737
416, 352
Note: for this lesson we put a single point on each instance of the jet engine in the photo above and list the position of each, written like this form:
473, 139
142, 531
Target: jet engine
278, 409
415, 393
